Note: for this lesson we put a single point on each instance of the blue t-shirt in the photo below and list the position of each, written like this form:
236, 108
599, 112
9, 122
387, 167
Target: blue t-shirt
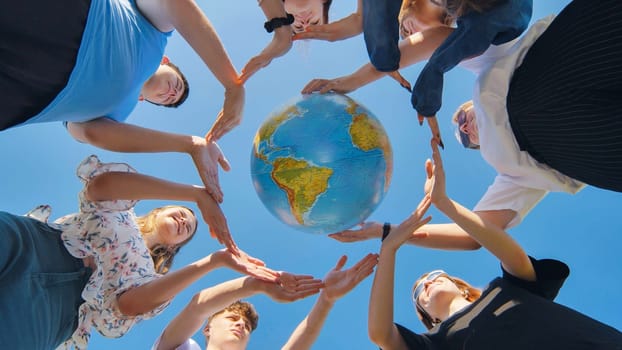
120, 50
475, 32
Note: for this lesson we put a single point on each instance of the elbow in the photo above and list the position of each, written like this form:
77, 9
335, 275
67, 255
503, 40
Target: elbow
96, 188
472, 244
127, 308
378, 334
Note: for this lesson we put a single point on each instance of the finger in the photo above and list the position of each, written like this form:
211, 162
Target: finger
429, 168
420, 235
367, 259
314, 85
224, 163
328, 88
420, 119
395, 75
340, 263
436, 133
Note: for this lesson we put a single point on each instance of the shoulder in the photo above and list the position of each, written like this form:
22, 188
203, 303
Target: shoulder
550, 277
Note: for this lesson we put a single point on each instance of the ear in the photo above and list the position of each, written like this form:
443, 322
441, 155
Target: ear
140, 97
206, 331
165, 60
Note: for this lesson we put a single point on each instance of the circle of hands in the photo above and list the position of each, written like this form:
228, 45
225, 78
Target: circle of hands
285, 286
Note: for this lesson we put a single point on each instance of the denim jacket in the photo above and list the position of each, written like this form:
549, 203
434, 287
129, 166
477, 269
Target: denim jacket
475, 32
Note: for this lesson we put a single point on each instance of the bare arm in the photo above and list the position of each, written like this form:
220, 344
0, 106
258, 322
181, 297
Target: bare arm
134, 186
490, 235
337, 283
344, 28
437, 236
120, 137
416, 48
211, 300
148, 296
382, 331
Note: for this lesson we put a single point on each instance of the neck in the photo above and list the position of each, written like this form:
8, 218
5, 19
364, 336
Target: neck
150, 239
457, 304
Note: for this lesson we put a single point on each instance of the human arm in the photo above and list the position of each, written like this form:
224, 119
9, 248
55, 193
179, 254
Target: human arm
279, 45
146, 297
382, 331
492, 237
337, 283
211, 300
135, 186
344, 28
187, 18
416, 48
120, 137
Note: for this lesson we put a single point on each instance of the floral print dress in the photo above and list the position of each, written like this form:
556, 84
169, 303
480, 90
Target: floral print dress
106, 231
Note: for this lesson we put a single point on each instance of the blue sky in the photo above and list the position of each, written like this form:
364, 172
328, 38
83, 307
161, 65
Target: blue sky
583, 230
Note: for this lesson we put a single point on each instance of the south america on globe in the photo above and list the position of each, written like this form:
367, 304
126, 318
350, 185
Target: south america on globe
322, 163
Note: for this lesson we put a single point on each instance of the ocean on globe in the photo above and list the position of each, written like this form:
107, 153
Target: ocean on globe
322, 163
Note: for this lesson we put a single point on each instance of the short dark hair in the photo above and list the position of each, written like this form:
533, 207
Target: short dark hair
184, 94
325, 9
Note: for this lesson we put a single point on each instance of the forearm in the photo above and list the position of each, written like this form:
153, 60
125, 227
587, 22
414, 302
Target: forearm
309, 329
148, 296
445, 236
380, 317
421, 45
121, 137
272, 8
491, 236
197, 30
135, 186
203, 305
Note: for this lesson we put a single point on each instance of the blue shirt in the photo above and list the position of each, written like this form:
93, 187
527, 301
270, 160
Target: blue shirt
119, 51
475, 32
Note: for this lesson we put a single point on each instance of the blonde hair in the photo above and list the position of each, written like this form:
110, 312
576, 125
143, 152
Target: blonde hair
469, 292
161, 254
409, 7
465, 107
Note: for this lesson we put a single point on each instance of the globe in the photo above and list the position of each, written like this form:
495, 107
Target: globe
322, 163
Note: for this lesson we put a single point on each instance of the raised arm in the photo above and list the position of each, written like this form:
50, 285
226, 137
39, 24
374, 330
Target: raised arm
416, 48
281, 39
489, 235
382, 331
120, 137
148, 296
135, 186
187, 18
337, 283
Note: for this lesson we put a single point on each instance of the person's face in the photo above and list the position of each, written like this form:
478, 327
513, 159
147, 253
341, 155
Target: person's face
175, 225
468, 125
164, 87
437, 294
421, 16
228, 330
305, 12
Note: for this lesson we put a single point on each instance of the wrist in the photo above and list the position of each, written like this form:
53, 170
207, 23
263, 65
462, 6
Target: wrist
278, 22
325, 299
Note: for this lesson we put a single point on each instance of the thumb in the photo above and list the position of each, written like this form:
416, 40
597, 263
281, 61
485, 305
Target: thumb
429, 168
224, 163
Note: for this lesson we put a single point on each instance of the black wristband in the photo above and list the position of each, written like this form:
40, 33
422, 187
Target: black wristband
386, 229
278, 22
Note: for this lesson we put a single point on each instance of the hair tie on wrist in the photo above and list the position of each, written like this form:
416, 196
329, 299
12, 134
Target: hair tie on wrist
278, 22
386, 229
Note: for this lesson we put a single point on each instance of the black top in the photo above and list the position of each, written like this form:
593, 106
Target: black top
518, 314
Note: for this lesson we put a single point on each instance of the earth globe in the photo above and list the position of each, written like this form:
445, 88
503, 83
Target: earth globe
322, 163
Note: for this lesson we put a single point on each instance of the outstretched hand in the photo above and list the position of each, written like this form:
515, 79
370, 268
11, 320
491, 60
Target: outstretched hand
246, 264
344, 28
280, 45
206, 156
292, 287
366, 230
341, 85
230, 115
215, 219
405, 230
338, 283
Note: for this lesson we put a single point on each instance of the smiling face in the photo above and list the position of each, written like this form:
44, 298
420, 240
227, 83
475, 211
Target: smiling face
305, 12
419, 15
174, 225
164, 87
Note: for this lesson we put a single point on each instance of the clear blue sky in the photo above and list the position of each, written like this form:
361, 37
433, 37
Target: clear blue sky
583, 230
